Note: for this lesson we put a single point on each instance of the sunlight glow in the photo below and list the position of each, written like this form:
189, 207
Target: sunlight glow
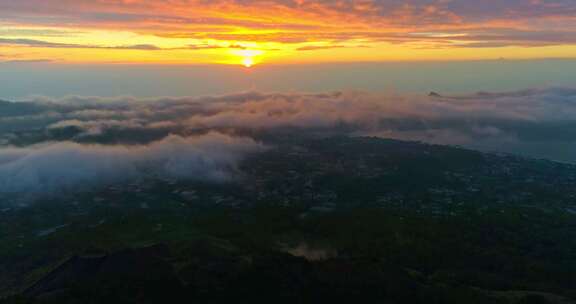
248, 62
249, 33
248, 56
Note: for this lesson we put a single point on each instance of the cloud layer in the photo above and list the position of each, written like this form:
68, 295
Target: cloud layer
56, 167
50, 145
276, 24
525, 114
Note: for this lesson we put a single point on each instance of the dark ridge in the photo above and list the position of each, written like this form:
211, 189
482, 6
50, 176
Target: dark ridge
130, 265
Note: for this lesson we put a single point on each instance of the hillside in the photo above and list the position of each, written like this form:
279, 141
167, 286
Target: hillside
310, 218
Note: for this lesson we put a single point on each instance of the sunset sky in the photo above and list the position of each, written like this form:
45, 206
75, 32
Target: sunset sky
283, 31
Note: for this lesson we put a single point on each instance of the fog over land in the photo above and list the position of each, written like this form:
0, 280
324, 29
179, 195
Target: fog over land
50, 144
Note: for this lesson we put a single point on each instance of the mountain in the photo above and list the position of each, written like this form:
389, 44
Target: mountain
312, 218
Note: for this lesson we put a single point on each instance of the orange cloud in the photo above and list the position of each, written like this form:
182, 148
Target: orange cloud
285, 26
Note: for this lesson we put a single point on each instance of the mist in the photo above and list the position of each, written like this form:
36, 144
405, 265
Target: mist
20, 80
61, 166
52, 144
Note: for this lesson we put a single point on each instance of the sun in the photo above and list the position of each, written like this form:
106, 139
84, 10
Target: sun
248, 57
248, 62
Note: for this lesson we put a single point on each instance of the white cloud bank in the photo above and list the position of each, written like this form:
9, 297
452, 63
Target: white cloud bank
59, 166
61, 142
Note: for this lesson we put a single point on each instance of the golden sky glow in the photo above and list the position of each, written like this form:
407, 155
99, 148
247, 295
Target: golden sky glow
283, 31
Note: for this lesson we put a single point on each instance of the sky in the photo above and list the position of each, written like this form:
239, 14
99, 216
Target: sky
249, 32
148, 48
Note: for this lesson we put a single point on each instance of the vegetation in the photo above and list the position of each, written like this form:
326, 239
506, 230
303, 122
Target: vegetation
368, 220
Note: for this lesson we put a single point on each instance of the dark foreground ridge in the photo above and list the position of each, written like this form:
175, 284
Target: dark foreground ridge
315, 219
146, 275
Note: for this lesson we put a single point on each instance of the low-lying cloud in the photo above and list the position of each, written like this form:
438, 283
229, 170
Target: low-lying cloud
48, 144
52, 167
534, 114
